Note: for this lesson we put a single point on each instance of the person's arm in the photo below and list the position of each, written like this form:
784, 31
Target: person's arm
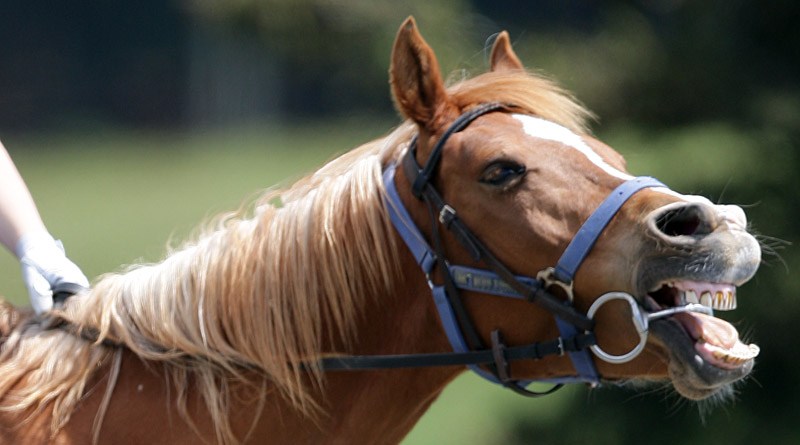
18, 213
44, 264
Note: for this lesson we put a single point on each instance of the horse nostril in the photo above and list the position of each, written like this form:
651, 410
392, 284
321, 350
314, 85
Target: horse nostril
685, 220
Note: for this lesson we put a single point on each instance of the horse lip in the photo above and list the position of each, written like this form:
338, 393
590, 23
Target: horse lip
690, 374
701, 378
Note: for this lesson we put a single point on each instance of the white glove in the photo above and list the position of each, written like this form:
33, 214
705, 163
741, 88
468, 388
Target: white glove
44, 265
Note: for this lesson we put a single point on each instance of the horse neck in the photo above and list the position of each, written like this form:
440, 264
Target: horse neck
379, 406
370, 406
375, 406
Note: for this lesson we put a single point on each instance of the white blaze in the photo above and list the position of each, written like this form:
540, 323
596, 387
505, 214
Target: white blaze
543, 129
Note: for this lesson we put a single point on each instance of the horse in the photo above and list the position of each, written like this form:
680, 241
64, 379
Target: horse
488, 231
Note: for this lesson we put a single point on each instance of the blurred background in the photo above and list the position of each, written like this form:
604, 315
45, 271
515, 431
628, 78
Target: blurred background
134, 121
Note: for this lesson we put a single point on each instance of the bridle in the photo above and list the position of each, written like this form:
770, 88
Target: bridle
576, 329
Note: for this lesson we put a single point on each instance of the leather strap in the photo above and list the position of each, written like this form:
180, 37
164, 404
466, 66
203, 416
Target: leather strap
534, 351
590, 231
421, 180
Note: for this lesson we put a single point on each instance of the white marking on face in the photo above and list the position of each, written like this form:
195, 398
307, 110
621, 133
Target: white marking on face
543, 129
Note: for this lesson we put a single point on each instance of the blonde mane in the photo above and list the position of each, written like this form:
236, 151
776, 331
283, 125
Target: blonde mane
257, 292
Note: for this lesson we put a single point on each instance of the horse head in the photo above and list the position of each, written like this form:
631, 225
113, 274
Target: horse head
523, 178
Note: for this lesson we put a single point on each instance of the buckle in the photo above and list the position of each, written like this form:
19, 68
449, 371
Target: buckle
447, 215
499, 356
548, 279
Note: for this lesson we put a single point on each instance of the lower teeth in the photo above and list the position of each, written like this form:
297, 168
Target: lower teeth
736, 356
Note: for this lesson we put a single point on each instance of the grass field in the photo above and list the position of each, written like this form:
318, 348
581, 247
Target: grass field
117, 197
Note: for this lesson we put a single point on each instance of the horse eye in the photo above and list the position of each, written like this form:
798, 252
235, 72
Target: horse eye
502, 174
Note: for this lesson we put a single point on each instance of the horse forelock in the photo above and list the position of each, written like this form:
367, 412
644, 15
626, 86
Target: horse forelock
260, 290
527, 92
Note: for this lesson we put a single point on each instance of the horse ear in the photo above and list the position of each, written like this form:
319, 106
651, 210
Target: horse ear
503, 57
416, 82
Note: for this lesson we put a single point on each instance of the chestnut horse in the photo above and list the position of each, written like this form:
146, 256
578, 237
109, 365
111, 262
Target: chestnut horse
242, 335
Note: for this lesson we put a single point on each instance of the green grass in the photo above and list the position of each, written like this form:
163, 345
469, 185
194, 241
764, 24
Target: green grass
473, 411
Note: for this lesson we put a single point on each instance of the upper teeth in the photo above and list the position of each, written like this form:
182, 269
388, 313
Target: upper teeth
723, 300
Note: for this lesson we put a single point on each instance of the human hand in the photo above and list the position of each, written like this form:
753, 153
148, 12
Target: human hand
45, 266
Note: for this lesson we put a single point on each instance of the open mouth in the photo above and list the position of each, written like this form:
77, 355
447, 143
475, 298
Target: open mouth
715, 340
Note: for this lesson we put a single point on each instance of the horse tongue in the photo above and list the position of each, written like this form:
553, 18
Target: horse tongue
709, 329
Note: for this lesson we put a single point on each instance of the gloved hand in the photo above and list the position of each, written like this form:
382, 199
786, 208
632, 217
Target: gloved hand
45, 265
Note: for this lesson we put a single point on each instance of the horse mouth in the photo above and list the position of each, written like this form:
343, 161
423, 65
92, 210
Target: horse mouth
706, 352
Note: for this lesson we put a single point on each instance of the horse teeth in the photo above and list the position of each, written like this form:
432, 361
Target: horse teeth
719, 297
707, 300
731, 300
724, 301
